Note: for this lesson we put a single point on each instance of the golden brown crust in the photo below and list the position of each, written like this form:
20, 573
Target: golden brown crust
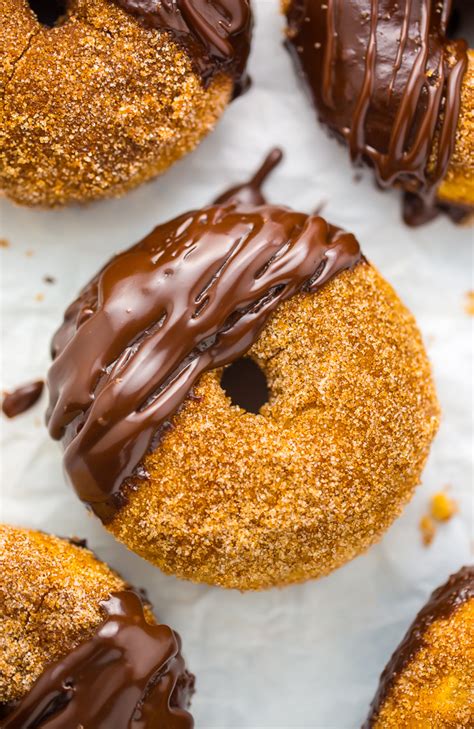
49, 602
250, 501
18, 27
458, 184
96, 105
435, 687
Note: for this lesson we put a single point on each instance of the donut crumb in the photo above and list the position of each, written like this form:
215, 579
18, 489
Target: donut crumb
469, 303
427, 529
443, 507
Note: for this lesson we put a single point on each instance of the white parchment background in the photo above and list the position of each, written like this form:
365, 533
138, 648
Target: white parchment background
305, 656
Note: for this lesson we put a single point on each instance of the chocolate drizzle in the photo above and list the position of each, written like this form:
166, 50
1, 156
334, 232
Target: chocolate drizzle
250, 192
215, 32
444, 601
192, 296
387, 81
128, 675
22, 398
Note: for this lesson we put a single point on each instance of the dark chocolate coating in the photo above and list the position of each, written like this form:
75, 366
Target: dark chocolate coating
385, 79
443, 602
128, 675
216, 34
192, 296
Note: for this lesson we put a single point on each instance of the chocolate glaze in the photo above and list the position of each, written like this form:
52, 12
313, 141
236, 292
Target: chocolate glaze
22, 398
192, 296
216, 34
250, 192
442, 604
128, 675
385, 79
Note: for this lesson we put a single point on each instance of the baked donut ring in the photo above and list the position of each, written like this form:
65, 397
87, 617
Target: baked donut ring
387, 81
114, 93
197, 485
428, 681
75, 637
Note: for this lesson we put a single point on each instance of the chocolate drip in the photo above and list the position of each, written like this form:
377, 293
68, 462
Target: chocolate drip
385, 80
128, 675
217, 34
250, 192
444, 601
22, 398
192, 296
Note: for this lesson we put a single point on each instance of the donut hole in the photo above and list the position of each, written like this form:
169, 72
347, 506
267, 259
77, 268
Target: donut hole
246, 384
48, 12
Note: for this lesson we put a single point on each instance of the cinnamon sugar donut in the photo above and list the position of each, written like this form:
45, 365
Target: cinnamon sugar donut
113, 93
79, 648
428, 681
388, 82
191, 481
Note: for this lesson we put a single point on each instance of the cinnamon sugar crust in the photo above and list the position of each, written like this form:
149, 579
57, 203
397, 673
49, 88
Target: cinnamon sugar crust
250, 501
435, 689
95, 105
50, 591
458, 183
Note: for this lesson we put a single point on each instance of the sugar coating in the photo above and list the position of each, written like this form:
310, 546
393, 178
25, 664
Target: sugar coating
436, 688
49, 602
458, 183
96, 105
250, 501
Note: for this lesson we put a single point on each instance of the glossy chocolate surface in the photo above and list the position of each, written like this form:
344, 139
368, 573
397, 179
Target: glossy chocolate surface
22, 398
192, 296
250, 191
442, 604
128, 675
216, 34
385, 79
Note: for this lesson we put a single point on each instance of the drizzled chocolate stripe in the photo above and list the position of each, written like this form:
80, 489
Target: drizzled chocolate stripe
386, 80
444, 601
216, 32
193, 296
128, 675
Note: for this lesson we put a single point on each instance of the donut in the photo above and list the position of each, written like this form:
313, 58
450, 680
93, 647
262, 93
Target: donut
387, 81
113, 92
174, 467
428, 681
79, 646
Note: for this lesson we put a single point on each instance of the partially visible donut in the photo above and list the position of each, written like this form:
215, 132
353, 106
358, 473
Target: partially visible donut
198, 485
387, 81
78, 646
429, 680
114, 93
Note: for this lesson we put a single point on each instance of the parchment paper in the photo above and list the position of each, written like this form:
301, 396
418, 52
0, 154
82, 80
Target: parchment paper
305, 656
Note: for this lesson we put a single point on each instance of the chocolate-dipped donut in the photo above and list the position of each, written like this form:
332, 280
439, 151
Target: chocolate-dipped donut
387, 81
113, 93
79, 646
197, 485
429, 680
